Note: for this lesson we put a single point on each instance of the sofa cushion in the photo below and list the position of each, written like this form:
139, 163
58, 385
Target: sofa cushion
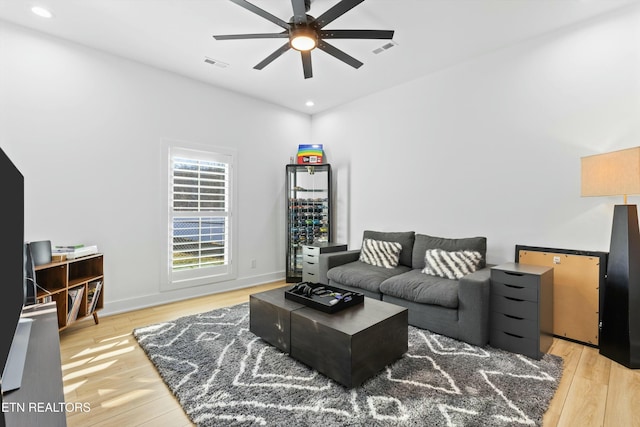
422, 288
405, 238
380, 253
364, 276
424, 242
452, 265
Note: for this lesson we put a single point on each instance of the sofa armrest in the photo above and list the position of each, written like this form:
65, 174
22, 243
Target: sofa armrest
473, 306
333, 259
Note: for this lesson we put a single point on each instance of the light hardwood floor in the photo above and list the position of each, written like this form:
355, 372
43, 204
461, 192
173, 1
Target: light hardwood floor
103, 365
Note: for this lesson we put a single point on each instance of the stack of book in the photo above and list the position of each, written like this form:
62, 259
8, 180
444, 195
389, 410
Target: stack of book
75, 300
74, 251
93, 294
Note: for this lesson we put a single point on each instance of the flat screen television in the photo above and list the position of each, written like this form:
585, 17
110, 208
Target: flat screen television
12, 272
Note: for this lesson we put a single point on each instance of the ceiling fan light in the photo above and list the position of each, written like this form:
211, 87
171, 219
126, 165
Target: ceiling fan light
304, 40
41, 12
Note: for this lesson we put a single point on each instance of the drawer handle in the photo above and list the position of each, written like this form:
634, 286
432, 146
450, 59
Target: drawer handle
513, 335
514, 286
311, 274
514, 299
511, 273
513, 317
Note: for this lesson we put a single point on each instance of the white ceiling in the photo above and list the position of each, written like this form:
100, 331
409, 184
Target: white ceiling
176, 35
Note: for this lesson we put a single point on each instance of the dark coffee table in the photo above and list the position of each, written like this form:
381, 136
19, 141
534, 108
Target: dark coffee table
349, 346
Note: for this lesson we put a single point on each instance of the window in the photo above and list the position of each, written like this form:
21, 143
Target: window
200, 206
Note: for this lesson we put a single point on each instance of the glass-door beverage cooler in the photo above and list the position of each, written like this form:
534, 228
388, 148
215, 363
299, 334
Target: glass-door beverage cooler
308, 212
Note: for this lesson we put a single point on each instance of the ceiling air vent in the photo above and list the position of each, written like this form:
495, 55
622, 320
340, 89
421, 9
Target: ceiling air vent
384, 47
215, 62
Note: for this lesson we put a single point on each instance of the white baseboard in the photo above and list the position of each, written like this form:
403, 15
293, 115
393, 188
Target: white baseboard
130, 304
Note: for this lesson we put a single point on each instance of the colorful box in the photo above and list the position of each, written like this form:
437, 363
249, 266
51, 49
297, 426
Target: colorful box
310, 154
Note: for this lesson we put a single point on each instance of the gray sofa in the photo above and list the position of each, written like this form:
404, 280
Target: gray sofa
458, 308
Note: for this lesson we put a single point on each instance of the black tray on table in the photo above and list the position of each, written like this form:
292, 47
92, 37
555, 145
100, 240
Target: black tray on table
312, 295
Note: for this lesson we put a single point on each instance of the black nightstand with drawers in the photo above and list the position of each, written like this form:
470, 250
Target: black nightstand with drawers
311, 258
522, 308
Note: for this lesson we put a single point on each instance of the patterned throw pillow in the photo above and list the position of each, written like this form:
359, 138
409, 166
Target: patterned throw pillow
451, 265
380, 253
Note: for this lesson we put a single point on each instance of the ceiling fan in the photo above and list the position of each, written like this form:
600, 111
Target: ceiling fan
305, 33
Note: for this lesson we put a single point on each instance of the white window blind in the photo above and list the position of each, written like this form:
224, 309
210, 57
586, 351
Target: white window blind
200, 217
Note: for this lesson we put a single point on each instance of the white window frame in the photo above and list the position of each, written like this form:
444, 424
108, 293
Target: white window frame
198, 276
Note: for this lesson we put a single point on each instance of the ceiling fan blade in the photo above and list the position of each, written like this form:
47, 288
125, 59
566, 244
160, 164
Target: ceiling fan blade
336, 11
356, 34
337, 53
263, 13
299, 11
269, 59
306, 64
283, 35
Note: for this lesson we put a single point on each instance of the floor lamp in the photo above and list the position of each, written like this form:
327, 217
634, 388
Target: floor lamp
614, 174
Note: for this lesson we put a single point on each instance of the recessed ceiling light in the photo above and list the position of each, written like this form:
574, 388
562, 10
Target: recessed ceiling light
41, 12
309, 103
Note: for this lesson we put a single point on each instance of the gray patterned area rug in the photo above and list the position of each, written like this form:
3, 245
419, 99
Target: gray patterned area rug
223, 375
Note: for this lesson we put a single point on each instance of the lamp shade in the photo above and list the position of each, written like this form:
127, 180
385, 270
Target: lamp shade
611, 174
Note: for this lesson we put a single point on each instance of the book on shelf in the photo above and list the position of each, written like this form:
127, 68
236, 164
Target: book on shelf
75, 300
93, 293
73, 252
65, 248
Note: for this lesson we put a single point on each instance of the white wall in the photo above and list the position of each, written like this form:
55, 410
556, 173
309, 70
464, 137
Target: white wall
86, 129
492, 146
487, 147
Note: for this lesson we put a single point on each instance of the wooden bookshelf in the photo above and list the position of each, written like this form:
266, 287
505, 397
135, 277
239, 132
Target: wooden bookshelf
56, 279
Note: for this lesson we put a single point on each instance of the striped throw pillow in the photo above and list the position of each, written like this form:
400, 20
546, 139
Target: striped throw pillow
451, 265
380, 253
